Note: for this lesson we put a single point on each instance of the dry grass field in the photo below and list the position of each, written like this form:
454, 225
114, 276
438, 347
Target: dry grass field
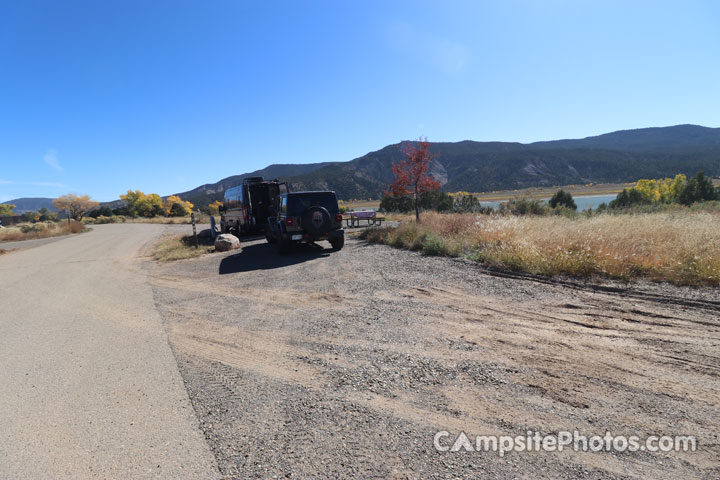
682, 248
199, 218
178, 247
30, 231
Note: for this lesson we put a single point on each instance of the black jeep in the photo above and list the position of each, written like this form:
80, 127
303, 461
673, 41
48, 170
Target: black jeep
306, 217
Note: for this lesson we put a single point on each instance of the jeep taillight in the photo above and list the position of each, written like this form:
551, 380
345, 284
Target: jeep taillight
338, 218
289, 222
245, 212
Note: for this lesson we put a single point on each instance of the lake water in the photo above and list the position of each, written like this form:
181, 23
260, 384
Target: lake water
584, 202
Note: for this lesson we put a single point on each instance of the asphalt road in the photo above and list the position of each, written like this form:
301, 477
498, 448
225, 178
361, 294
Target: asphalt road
90, 387
29, 243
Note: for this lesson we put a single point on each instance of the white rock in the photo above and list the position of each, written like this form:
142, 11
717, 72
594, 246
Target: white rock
226, 242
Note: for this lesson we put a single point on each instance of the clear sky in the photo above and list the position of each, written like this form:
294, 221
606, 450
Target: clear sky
100, 96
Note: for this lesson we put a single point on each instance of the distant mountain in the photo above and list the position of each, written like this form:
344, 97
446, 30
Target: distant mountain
210, 192
621, 156
31, 204
656, 139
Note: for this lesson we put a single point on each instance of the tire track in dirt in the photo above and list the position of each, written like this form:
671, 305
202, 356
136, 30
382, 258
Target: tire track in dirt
363, 355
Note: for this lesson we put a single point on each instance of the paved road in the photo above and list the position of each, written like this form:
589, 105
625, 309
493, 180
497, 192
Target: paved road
90, 387
30, 243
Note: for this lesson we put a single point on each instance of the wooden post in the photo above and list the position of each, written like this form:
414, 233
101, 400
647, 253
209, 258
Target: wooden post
192, 216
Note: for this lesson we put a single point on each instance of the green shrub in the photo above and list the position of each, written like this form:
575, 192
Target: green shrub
469, 204
698, 189
434, 200
523, 206
433, 245
106, 219
396, 203
103, 211
32, 227
562, 199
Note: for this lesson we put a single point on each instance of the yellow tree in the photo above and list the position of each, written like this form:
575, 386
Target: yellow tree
78, 206
649, 190
670, 188
214, 207
177, 207
132, 199
143, 205
152, 205
6, 209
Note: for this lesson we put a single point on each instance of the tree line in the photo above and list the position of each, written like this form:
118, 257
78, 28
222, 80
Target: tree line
678, 190
413, 188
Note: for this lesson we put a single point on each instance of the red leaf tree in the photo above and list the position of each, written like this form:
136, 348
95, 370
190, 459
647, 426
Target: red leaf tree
411, 174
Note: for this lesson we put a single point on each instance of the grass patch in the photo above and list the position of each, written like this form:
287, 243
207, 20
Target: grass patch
199, 218
31, 231
178, 247
679, 247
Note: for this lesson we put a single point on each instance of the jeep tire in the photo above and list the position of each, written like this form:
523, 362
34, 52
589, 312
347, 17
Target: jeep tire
337, 243
269, 236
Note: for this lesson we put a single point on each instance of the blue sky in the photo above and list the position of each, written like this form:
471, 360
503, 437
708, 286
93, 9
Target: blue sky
100, 96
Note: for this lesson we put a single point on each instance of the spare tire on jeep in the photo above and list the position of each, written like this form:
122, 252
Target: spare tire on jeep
316, 220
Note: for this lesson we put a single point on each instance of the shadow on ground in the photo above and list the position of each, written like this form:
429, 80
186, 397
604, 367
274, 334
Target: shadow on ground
263, 256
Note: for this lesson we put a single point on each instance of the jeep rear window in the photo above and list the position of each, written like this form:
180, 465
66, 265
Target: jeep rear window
297, 204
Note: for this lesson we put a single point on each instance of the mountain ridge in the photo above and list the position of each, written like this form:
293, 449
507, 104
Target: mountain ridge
467, 165
31, 204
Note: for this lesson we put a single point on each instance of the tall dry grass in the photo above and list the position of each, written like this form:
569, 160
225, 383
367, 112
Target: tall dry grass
199, 218
178, 247
30, 231
682, 248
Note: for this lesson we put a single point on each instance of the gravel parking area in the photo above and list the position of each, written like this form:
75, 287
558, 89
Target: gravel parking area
345, 364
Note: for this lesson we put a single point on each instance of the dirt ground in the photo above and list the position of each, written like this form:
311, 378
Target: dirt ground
346, 364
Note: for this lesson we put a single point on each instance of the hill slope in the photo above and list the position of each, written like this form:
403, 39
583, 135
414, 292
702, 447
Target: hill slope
31, 204
620, 156
210, 192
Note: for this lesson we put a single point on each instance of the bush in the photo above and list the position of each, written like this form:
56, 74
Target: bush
100, 212
523, 206
433, 245
179, 210
103, 219
396, 203
47, 216
32, 227
31, 216
467, 203
562, 199
434, 200
698, 189
122, 211
75, 227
